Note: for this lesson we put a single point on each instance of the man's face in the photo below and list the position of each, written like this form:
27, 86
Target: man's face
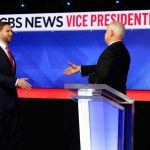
6, 34
107, 35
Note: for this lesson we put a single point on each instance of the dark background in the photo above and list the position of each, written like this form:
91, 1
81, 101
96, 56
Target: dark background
48, 124
49, 6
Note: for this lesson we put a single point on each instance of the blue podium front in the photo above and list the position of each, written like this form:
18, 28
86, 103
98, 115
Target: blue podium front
102, 119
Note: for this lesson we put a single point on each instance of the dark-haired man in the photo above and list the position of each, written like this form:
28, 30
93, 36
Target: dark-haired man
8, 95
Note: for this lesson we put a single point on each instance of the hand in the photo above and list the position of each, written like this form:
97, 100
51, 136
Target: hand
22, 82
72, 69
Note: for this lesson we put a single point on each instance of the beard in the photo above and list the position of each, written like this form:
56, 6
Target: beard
8, 39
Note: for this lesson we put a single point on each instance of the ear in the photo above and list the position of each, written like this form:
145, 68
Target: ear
111, 33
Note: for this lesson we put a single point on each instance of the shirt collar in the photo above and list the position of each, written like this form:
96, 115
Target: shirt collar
114, 42
2, 45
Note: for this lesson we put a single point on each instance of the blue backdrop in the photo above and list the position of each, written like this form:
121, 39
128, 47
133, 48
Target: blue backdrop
42, 56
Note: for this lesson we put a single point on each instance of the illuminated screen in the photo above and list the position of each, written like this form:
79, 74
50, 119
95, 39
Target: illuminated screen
42, 56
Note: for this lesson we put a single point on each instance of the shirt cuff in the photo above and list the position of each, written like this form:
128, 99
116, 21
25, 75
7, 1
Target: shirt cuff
80, 68
16, 82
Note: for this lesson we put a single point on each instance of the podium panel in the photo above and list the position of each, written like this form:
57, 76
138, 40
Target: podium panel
104, 121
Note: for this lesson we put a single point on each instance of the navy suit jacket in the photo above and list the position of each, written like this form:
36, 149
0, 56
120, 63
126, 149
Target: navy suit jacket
111, 68
8, 92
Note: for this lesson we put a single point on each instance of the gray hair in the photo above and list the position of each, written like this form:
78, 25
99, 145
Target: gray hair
118, 28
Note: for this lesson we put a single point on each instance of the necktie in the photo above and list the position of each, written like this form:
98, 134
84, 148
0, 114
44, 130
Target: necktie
11, 59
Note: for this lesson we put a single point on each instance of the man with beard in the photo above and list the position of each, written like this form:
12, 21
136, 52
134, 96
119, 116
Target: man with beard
9, 131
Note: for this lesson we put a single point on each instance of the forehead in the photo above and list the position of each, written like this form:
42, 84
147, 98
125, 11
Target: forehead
7, 28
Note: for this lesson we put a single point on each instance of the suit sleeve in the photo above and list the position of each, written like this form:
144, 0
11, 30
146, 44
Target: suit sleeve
106, 69
7, 81
86, 70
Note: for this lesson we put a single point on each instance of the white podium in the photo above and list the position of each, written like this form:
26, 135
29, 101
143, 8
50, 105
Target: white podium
105, 117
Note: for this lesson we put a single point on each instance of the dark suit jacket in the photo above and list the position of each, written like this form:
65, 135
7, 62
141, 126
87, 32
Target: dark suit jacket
8, 93
111, 68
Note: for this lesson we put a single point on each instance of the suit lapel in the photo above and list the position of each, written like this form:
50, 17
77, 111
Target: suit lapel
6, 57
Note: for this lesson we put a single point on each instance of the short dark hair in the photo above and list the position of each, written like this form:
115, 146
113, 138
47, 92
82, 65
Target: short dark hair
2, 24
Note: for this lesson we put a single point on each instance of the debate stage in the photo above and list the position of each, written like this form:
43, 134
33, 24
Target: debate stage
49, 119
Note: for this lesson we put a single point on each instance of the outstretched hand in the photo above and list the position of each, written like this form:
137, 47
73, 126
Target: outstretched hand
22, 83
72, 69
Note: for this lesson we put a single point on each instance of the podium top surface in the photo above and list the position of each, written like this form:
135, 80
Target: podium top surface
99, 89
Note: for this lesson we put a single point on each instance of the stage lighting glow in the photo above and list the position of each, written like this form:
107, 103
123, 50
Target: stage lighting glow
117, 2
23, 5
68, 3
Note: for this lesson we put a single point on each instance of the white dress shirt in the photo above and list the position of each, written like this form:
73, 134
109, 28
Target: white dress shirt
3, 46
